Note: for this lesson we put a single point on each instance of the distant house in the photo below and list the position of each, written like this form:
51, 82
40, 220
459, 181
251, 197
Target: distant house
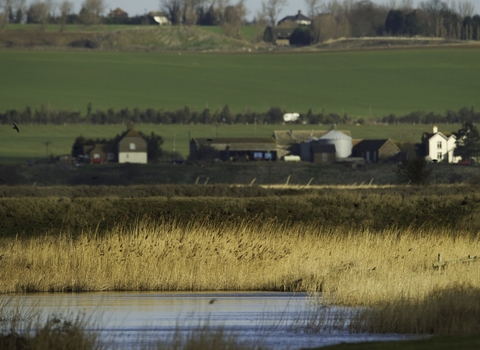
296, 20
439, 146
132, 148
237, 148
160, 17
118, 13
375, 151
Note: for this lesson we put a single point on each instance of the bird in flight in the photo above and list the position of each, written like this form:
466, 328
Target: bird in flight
95, 177
15, 127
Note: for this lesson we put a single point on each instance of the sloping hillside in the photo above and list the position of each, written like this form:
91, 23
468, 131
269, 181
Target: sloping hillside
127, 39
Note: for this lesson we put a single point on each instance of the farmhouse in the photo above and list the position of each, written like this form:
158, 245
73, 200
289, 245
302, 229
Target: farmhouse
439, 146
297, 20
132, 148
118, 13
234, 148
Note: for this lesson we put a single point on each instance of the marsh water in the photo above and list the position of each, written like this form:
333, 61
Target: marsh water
134, 320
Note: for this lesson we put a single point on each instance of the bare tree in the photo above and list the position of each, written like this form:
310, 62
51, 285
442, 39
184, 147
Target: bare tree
39, 13
272, 9
173, 8
406, 4
466, 8
91, 12
314, 7
11, 11
65, 8
324, 27
392, 4
337, 8
234, 18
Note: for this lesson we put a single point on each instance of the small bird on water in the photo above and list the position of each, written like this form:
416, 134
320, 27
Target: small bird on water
15, 127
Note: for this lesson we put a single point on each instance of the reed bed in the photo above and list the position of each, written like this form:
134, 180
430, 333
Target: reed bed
349, 267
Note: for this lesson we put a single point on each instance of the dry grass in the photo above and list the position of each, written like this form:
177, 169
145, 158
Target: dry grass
452, 310
349, 267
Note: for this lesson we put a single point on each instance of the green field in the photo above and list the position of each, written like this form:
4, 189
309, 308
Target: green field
369, 83
30, 142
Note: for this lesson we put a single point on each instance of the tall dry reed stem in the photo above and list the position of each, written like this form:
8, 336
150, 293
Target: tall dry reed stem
349, 267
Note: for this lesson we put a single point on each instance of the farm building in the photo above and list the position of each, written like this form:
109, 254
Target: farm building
234, 148
132, 148
322, 154
439, 146
375, 151
290, 141
98, 153
159, 17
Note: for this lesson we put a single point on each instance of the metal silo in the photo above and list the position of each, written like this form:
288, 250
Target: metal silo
342, 142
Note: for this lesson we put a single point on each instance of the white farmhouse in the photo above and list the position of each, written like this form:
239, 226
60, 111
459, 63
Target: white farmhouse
132, 148
439, 146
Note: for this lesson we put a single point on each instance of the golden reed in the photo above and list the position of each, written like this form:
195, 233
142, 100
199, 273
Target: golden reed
349, 267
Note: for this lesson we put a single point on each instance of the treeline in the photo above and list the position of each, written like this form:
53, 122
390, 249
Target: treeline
433, 18
229, 16
274, 115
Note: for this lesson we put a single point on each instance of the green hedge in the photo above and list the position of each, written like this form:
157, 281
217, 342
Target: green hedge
374, 210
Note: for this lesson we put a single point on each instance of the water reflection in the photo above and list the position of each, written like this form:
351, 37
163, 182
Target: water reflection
126, 319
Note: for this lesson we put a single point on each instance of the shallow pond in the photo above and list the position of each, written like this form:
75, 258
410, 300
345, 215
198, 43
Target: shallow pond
127, 320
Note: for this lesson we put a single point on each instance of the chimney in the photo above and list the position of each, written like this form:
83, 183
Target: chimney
435, 129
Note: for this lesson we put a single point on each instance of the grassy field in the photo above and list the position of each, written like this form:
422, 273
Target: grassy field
363, 83
30, 143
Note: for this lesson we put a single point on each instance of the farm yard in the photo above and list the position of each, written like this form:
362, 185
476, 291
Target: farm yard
30, 143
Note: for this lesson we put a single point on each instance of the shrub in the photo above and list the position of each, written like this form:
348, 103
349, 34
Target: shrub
414, 171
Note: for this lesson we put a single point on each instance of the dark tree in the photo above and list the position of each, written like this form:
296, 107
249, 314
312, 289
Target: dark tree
301, 37
395, 22
412, 26
414, 171
154, 146
468, 141
268, 35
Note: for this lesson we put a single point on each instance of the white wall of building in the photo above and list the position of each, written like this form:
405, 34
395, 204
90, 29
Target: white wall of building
132, 157
441, 147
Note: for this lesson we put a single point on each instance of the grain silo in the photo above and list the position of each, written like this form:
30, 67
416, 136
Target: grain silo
342, 142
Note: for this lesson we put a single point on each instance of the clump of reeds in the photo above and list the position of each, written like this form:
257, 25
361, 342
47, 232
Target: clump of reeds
205, 337
349, 267
54, 334
453, 310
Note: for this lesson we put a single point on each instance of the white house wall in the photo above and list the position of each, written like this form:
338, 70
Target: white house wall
447, 148
132, 157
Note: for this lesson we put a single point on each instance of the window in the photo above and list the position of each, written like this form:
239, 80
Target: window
132, 146
257, 155
439, 156
268, 156
96, 156
439, 145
